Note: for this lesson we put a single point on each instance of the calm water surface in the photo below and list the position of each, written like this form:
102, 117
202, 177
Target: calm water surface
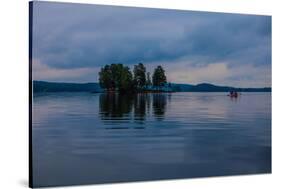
83, 138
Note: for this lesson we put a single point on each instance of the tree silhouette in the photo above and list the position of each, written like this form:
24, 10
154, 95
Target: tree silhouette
116, 77
105, 78
159, 77
139, 76
148, 79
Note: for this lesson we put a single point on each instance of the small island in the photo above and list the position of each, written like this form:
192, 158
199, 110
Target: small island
119, 78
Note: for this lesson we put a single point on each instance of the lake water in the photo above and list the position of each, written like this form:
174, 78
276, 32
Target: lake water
84, 138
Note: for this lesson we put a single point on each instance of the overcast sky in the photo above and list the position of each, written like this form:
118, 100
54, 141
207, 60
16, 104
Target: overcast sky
72, 41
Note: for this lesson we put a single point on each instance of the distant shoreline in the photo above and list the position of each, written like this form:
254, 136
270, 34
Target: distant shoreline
43, 86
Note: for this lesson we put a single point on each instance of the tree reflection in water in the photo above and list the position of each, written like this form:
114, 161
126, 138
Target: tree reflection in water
141, 107
159, 105
115, 106
136, 107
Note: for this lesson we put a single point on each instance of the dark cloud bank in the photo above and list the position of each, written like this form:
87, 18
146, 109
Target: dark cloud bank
72, 41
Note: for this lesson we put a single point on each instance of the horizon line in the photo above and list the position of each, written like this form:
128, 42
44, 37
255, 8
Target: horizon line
218, 85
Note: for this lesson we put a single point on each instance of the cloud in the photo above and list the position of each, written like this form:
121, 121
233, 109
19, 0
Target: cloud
220, 73
77, 36
44, 72
211, 72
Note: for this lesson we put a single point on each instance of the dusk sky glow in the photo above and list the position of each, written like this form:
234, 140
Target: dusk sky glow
71, 42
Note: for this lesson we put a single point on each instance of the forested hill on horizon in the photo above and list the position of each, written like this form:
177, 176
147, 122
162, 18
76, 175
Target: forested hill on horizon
44, 86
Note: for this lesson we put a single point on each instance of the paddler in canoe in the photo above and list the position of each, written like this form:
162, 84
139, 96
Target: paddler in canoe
233, 94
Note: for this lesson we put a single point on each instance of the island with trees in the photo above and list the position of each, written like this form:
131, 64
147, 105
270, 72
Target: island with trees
119, 78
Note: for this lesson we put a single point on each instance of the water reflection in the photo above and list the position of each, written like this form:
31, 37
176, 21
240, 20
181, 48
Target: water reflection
137, 107
112, 138
159, 105
115, 106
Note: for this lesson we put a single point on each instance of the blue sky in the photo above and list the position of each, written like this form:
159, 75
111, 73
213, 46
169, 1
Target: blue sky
72, 41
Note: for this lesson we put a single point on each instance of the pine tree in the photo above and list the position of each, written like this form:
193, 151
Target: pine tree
139, 76
159, 78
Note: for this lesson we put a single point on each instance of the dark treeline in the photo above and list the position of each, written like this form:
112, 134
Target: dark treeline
117, 77
43, 86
